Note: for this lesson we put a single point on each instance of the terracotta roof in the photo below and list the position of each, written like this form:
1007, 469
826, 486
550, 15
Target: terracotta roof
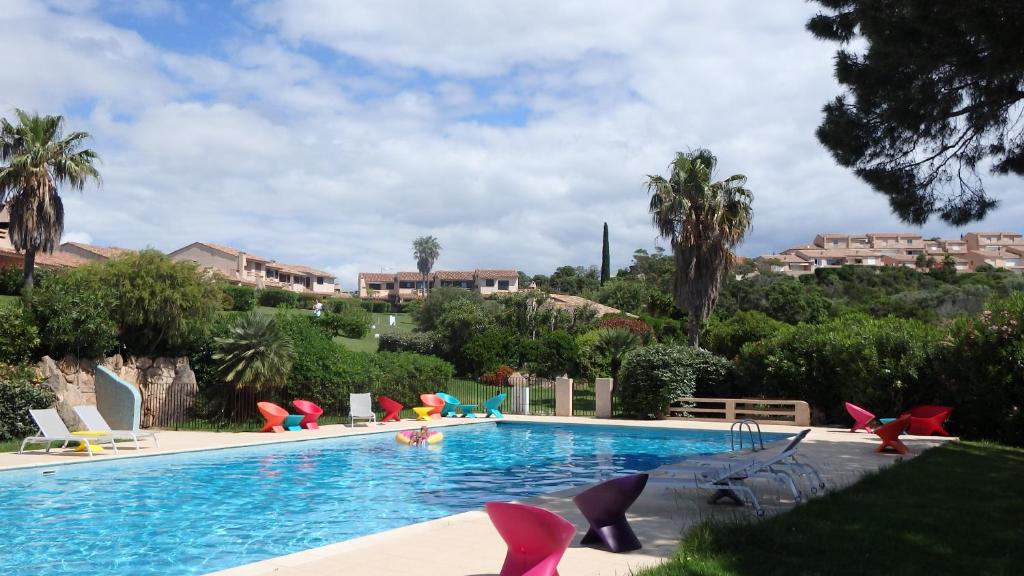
232, 251
377, 276
406, 276
106, 252
899, 258
56, 260
498, 274
894, 234
801, 247
454, 275
987, 253
840, 252
308, 270
787, 258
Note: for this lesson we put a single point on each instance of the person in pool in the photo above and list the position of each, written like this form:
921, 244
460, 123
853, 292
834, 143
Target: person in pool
420, 436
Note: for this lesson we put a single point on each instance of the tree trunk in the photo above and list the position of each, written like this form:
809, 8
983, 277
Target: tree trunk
30, 269
693, 329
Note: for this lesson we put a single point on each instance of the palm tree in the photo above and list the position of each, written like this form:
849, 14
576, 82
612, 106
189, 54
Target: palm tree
255, 354
704, 221
36, 158
615, 342
426, 250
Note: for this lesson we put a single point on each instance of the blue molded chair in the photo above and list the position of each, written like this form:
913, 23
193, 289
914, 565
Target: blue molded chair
452, 405
492, 404
293, 422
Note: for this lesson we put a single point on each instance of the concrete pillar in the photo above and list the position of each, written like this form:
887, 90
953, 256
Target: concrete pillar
563, 396
603, 397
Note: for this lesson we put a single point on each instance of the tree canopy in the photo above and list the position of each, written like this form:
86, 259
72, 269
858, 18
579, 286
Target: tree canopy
933, 98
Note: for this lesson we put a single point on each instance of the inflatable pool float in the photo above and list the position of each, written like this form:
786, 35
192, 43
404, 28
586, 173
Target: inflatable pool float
405, 437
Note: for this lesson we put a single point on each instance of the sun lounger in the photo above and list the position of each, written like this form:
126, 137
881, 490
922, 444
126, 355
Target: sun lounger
774, 463
536, 538
52, 429
94, 421
360, 409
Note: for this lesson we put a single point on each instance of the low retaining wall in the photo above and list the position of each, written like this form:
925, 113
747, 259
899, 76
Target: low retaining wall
157, 380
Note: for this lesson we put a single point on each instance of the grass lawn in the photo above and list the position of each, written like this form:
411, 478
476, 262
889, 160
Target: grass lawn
368, 343
957, 509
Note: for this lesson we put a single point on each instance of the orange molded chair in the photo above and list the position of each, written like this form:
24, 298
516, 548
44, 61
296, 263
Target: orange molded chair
433, 401
391, 408
274, 415
536, 538
861, 417
927, 420
310, 413
890, 435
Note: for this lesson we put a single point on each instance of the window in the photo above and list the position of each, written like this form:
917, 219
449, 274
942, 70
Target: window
489, 282
319, 279
391, 285
835, 242
374, 285
259, 266
502, 284
405, 285
910, 240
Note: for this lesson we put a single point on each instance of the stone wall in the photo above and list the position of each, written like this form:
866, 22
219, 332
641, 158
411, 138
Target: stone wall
167, 385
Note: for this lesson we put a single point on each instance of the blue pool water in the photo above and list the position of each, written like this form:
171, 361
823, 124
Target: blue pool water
200, 512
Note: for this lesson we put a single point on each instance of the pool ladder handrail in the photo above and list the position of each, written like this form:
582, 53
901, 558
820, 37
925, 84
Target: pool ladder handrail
737, 428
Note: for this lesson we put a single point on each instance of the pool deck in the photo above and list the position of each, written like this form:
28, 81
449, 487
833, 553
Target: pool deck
466, 543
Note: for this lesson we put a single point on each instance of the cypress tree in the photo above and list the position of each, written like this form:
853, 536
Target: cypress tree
606, 264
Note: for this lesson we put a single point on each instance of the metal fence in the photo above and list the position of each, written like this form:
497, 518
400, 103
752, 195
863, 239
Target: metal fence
220, 407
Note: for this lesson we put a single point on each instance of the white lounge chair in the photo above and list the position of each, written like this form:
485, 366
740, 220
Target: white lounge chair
360, 409
94, 421
726, 473
52, 429
774, 463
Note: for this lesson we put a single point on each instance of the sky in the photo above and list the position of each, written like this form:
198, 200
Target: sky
332, 133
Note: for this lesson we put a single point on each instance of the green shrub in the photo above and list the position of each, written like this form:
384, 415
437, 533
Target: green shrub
634, 325
411, 307
553, 355
19, 336
979, 371
306, 300
339, 305
163, 307
726, 337
592, 361
350, 323
491, 348
404, 376
419, 342
274, 297
20, 391
322, 368
76, 310
652, 377
12, 278
714, 376
875, 363
428, 317
243, 298
375, 306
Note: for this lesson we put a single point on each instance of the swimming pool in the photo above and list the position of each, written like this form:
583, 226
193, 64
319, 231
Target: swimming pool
204, 511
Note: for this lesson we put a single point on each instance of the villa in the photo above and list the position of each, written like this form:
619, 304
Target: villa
829, 250
11, 257
403, 286
92, 253
239, 267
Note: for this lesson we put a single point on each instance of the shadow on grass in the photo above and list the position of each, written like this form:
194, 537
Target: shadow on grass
956, 509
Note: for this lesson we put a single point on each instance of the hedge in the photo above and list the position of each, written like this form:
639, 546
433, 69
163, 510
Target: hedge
20, 391
243, 298
420, 343
652, 377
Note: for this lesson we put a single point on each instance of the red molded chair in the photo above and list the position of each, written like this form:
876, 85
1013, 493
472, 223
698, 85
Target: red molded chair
927, 420
890, 435
310, 413
861, 417
536, 538
391, 407
274, 415
434, 401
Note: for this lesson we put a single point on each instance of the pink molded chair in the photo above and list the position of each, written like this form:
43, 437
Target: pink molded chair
433, 401
927, 420
861, 417
536, 538
310, 413
274, 415
391, 409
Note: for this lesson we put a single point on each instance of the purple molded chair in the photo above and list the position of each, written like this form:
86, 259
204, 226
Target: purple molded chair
536, 538
604, 506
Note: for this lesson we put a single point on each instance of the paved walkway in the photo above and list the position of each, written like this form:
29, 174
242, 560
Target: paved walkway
466, 544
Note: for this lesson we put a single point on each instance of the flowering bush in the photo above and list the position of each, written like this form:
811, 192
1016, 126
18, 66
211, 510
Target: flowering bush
499, 377
634, 325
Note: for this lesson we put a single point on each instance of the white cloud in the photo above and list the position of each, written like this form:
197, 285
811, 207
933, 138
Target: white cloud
279, 150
